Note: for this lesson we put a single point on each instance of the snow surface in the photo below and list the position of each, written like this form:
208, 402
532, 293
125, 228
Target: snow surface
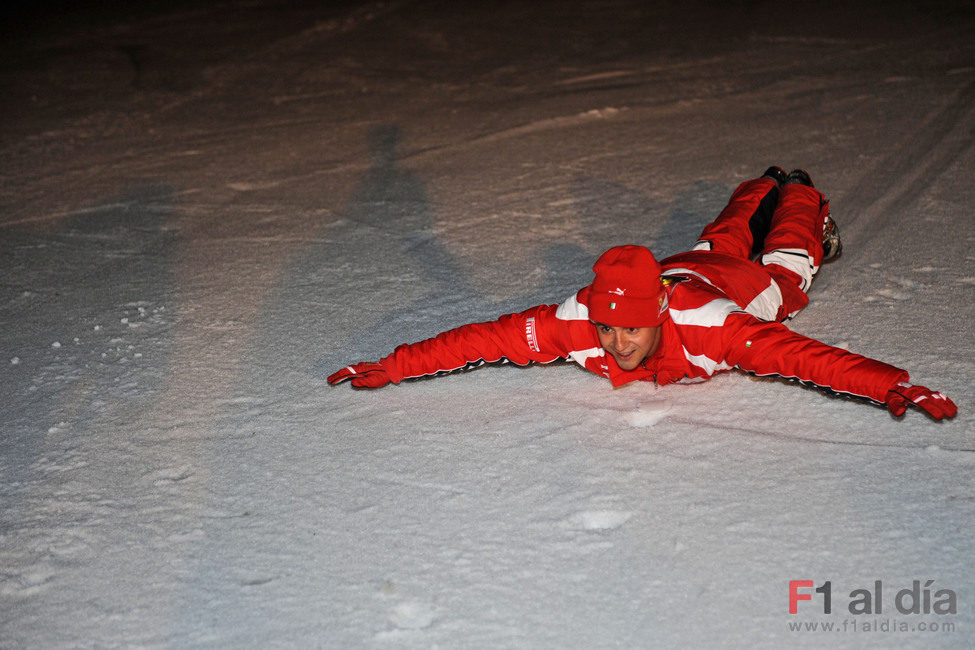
207, 207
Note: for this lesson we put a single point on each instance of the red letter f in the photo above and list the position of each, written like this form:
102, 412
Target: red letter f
795, 596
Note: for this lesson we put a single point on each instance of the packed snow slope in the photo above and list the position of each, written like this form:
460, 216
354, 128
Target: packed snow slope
205, 208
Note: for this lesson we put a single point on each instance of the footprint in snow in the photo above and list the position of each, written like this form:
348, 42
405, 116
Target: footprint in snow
894, 294
647, 415
413, 615
168, 475
599, 519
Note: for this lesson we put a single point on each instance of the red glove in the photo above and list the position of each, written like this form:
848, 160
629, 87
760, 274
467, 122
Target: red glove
362, 375
935, 404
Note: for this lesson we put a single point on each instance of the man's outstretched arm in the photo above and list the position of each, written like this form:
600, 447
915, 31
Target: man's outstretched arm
773, 349
513, 337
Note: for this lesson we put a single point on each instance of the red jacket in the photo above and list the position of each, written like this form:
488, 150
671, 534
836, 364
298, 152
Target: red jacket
708, 331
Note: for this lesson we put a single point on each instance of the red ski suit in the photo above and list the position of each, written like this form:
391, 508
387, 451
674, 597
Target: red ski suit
724, 311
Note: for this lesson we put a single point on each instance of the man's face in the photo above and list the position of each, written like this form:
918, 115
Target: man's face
628, 345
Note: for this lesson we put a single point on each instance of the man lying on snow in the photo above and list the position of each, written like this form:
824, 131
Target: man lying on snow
693, 314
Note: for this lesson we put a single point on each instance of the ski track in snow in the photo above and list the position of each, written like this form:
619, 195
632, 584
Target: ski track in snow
206, 210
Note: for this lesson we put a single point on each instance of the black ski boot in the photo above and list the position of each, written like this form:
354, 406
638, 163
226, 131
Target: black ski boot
799, 176
777, 174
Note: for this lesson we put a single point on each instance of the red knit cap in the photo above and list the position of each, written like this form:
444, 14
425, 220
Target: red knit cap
626, 291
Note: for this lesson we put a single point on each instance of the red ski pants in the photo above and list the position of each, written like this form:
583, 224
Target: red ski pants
764, 248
